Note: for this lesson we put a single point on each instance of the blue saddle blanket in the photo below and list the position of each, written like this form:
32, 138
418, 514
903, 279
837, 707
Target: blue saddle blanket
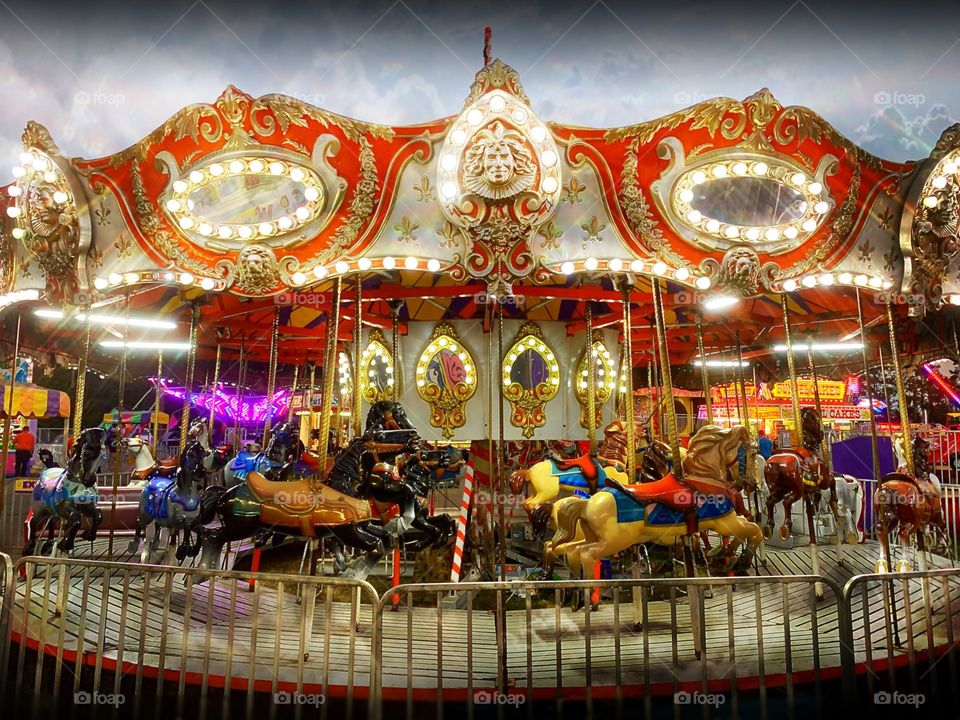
573, 478
629, 510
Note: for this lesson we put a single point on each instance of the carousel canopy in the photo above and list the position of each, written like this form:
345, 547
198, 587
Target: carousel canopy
135, 417
33, 401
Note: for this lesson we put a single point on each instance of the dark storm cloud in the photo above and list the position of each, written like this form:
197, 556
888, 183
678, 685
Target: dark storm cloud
102, 75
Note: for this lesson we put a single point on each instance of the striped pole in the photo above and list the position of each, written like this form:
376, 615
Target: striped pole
462, 524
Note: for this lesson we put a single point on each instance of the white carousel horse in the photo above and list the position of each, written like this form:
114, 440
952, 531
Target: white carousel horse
850, 503
143, 461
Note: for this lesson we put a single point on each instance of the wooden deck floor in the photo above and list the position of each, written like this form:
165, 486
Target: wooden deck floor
221, 629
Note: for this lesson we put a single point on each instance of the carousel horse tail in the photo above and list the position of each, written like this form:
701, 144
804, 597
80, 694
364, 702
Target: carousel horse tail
569, 511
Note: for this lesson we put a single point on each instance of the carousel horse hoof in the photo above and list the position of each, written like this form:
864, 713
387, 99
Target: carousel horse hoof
852, 538
697, 654
841, 562
784, 532
47, 547
133, 546
638, 626
767, 532
880, 566
903, 566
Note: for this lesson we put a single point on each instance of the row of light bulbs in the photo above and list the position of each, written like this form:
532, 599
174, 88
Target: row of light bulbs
844, 278
660, 268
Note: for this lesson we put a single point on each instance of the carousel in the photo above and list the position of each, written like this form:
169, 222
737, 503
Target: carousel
470, 412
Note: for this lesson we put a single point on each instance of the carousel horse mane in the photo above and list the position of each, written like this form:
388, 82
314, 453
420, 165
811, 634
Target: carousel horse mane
86, 455
709, 449
191, 464
812, 428
376, 417
614, 445
345, 474
921, 458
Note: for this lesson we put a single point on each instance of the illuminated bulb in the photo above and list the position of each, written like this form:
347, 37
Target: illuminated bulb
752, 233
236, 166
186, 223
740, 168
659, 268
458, 136
180, 186
798, 178
549, 184
265, 228
297, 174
410, 263
245, 231
205, 228
225, 231
169, 277
789, 285
101, 283
50, 176
474, 117
285, 223
216, 169
26, 158
790, 232
173, 205
887, 284
115, 278
18, 172
276, 168
686, 195
731, 231
712, 225
694, 217
940, 182
616, 265
876, 282
341, 267
826, 279
448, 162
364, 263
320, 271
845, 278
302, 213
13, 211
497, 103
311, 194
13, 191
299, 278
930, 201
196, 176
567, 268
449, 189
636, 266
186, 278
809, 281
591, 264
18, 233
860, 279
433, 265
703, 283
719, 171
682, 274
814, 188
256, 166
950, 168
549, 158
772, 234
538, 133
698, 177
389, 263
520, 115
809, 225
208, 284
821, 207
760, 168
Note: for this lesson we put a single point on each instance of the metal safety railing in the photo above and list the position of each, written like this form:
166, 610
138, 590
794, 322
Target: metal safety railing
91, 631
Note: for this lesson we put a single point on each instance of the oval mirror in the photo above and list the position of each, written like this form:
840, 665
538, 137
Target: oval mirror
376, 370
446, 379
749, 201
531, 378
246, 199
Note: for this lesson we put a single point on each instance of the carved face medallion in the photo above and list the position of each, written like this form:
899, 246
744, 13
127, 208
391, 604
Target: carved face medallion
498, 164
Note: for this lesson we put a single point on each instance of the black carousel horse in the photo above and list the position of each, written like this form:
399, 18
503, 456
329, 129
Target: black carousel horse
68, 494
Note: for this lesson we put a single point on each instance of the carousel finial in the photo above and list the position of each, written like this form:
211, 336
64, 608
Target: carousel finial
487, 36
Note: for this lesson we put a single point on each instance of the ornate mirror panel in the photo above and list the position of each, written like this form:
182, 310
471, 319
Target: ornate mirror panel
446, 379
531, 378
376, 370
345, 379
605, 381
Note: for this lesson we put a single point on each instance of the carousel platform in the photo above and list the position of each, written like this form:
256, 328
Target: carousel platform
757, 635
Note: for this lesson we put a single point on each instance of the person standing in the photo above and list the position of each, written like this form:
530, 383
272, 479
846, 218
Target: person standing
24, 442
764, 445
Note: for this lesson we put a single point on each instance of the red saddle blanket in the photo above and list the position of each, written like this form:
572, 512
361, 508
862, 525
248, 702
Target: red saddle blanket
668, 490
584, 464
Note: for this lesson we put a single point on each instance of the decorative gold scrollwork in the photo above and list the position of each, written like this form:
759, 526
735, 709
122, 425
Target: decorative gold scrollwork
446, 379
531, 378
377, 380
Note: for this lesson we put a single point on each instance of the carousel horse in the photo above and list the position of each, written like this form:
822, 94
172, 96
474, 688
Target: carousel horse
621, 516
910, 505
581, 476
68, 494
850, 504
173, 502
283, 453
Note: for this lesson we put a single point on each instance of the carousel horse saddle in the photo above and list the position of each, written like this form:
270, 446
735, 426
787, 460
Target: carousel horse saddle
297, 504
295, 496
667, 491
583, 471
161, 469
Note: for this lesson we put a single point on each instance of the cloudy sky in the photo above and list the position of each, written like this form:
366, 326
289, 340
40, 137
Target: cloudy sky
101, 75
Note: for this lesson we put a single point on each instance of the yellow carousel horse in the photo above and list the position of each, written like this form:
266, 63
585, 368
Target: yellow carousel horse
620, 516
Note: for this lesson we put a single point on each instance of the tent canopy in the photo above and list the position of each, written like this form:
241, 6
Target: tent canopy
136, 417
33, 401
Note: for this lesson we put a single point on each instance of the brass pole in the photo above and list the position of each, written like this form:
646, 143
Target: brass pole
735, 382
901, 391
824, 445
272, 375
667, 382
355, 413
119, 449
213, 392
9, 412
791, 366
191, 365
329, 373
650, 393
395, 348
501, 480
743, 387
886, 399
81, 381
293, 392
628, 413
241, 379
309, 403
656, 418
157, 395
704, 373
869, 388
591, 365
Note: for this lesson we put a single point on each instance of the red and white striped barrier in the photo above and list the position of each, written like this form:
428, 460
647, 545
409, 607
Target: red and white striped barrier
462, 524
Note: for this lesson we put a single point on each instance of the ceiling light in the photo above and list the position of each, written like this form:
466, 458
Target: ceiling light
822, 347
718, 302
145, 345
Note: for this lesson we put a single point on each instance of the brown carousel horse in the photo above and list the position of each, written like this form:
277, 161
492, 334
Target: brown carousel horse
910, 505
